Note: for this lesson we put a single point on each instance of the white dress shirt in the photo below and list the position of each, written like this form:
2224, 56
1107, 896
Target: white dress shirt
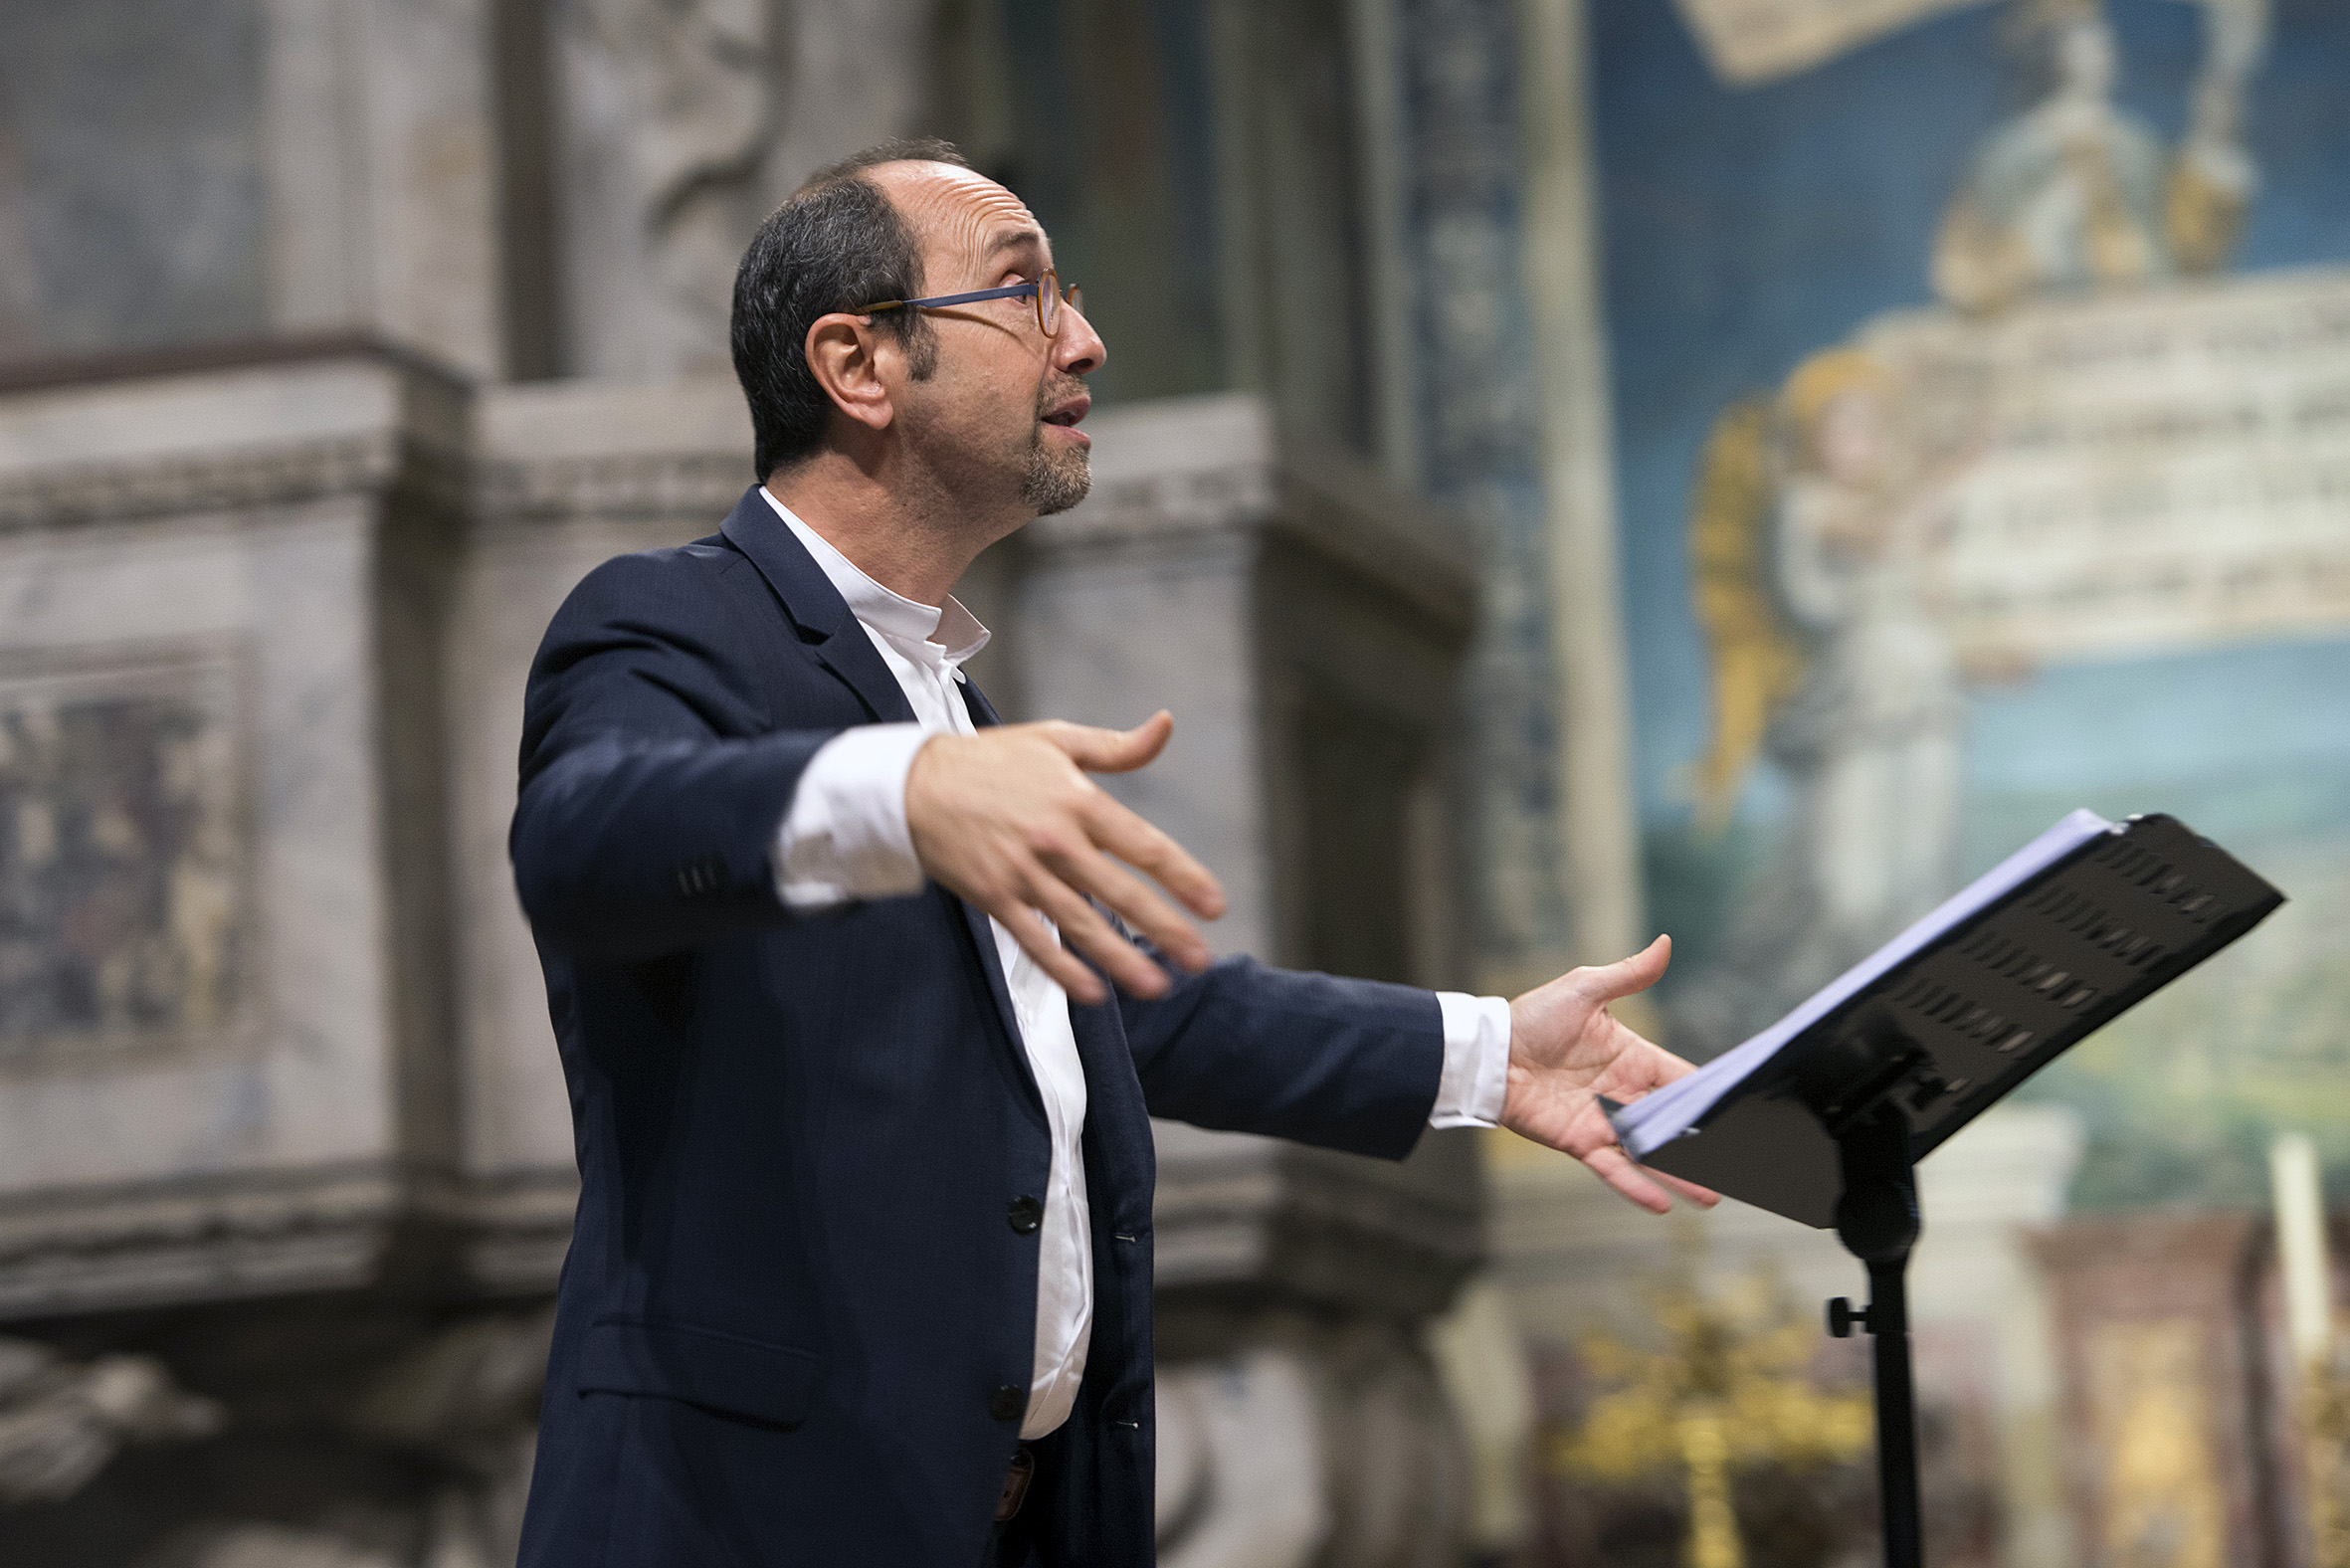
845, 836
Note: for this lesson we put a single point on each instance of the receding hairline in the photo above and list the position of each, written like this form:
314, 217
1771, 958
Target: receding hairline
996, 232
897, 149
958, 176
876, 175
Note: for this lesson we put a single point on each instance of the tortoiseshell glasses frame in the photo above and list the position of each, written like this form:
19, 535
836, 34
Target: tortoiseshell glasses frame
1047, 291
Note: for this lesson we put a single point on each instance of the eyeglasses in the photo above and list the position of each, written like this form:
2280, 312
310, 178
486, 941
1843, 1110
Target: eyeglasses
1047, 291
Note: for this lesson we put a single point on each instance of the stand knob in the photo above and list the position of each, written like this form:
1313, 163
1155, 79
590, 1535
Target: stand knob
1843, 1317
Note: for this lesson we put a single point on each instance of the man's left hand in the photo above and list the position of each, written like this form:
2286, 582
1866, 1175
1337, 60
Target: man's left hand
1566, 1050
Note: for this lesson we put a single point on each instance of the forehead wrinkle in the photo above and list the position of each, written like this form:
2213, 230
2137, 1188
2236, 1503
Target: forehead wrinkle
1013, 238
961, 217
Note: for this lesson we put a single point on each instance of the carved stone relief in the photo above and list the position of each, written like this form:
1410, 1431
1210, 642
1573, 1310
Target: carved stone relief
62, 1422
670, 110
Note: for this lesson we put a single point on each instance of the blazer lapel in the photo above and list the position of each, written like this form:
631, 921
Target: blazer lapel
983, 712
983, 716
815, 606
1117, 1118
832, 635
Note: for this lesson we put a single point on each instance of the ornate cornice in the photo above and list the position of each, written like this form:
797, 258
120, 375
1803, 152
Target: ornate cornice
625, 485
194, 1238
1156, 506
228, 1235
193, 484
1264, 1218
1405, 544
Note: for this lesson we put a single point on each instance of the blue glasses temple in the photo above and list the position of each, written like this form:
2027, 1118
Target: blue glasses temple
1015, 291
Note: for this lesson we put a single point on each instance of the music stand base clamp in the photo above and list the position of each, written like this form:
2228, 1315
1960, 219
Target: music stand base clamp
1876, 1220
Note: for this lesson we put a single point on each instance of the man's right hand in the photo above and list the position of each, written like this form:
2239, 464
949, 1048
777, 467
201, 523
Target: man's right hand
1006, 818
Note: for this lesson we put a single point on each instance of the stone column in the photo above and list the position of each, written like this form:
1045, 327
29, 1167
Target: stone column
1599, 822
1482, 395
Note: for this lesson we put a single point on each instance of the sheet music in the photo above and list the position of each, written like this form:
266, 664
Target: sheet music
1650, 1123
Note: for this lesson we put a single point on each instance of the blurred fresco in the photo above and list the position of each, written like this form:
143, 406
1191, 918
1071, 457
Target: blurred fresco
2013, 486
1577, 469
1978, 378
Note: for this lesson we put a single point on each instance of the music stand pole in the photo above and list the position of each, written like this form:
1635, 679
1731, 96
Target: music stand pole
1876, 1219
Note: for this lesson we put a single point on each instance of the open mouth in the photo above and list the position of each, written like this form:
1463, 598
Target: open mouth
1067, 414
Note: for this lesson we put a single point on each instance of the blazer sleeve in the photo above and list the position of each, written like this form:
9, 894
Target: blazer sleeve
1346, 1065
652, 784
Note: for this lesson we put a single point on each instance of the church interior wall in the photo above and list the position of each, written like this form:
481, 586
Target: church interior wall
339, 337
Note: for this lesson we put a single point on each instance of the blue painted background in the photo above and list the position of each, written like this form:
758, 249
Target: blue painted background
1745, 229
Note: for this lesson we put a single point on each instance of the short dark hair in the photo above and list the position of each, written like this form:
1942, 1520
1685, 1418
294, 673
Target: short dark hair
838, 244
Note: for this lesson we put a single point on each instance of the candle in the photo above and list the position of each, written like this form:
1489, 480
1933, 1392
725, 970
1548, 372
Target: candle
2300, 1245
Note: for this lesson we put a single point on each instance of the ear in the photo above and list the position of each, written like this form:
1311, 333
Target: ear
846, 356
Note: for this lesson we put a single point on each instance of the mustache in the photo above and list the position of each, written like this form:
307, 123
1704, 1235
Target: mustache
1059, 390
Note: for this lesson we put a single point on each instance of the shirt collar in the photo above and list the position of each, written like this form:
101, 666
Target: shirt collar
954, 631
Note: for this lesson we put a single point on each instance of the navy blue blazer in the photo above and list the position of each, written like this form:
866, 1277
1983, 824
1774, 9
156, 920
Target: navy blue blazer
798, 1316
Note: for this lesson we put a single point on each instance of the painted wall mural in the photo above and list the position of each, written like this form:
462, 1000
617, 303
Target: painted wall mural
123, 853
1983, 408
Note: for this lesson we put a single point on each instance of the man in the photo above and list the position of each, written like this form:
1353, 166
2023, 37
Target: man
862, 1014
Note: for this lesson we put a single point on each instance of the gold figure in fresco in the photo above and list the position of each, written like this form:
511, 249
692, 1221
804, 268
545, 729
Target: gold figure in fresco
2073, 193
1731, 1387
1757, 660
1818, 541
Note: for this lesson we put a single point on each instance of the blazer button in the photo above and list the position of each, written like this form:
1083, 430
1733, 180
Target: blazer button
1026, 1214
1006, 1402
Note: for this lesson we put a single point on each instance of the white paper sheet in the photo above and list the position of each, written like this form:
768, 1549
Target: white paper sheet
1648, 1125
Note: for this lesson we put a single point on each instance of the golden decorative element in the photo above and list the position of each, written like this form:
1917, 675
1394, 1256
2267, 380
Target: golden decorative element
1756, 662
2159, 1485
1731, 1387
2325, 1431
1979, 264
2202, 216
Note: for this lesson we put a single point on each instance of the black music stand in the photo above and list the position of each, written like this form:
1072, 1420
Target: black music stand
1822, 1117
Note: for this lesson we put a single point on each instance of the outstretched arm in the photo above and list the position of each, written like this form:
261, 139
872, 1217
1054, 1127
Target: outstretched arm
652, 812
1566, 1050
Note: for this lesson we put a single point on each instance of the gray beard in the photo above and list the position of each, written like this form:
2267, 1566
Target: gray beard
1054, 481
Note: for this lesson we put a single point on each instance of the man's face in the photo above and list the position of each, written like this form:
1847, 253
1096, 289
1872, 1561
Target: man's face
999, 411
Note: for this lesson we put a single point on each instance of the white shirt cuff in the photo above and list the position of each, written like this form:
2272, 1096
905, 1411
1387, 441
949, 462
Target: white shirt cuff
845, 836
1476, 1061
